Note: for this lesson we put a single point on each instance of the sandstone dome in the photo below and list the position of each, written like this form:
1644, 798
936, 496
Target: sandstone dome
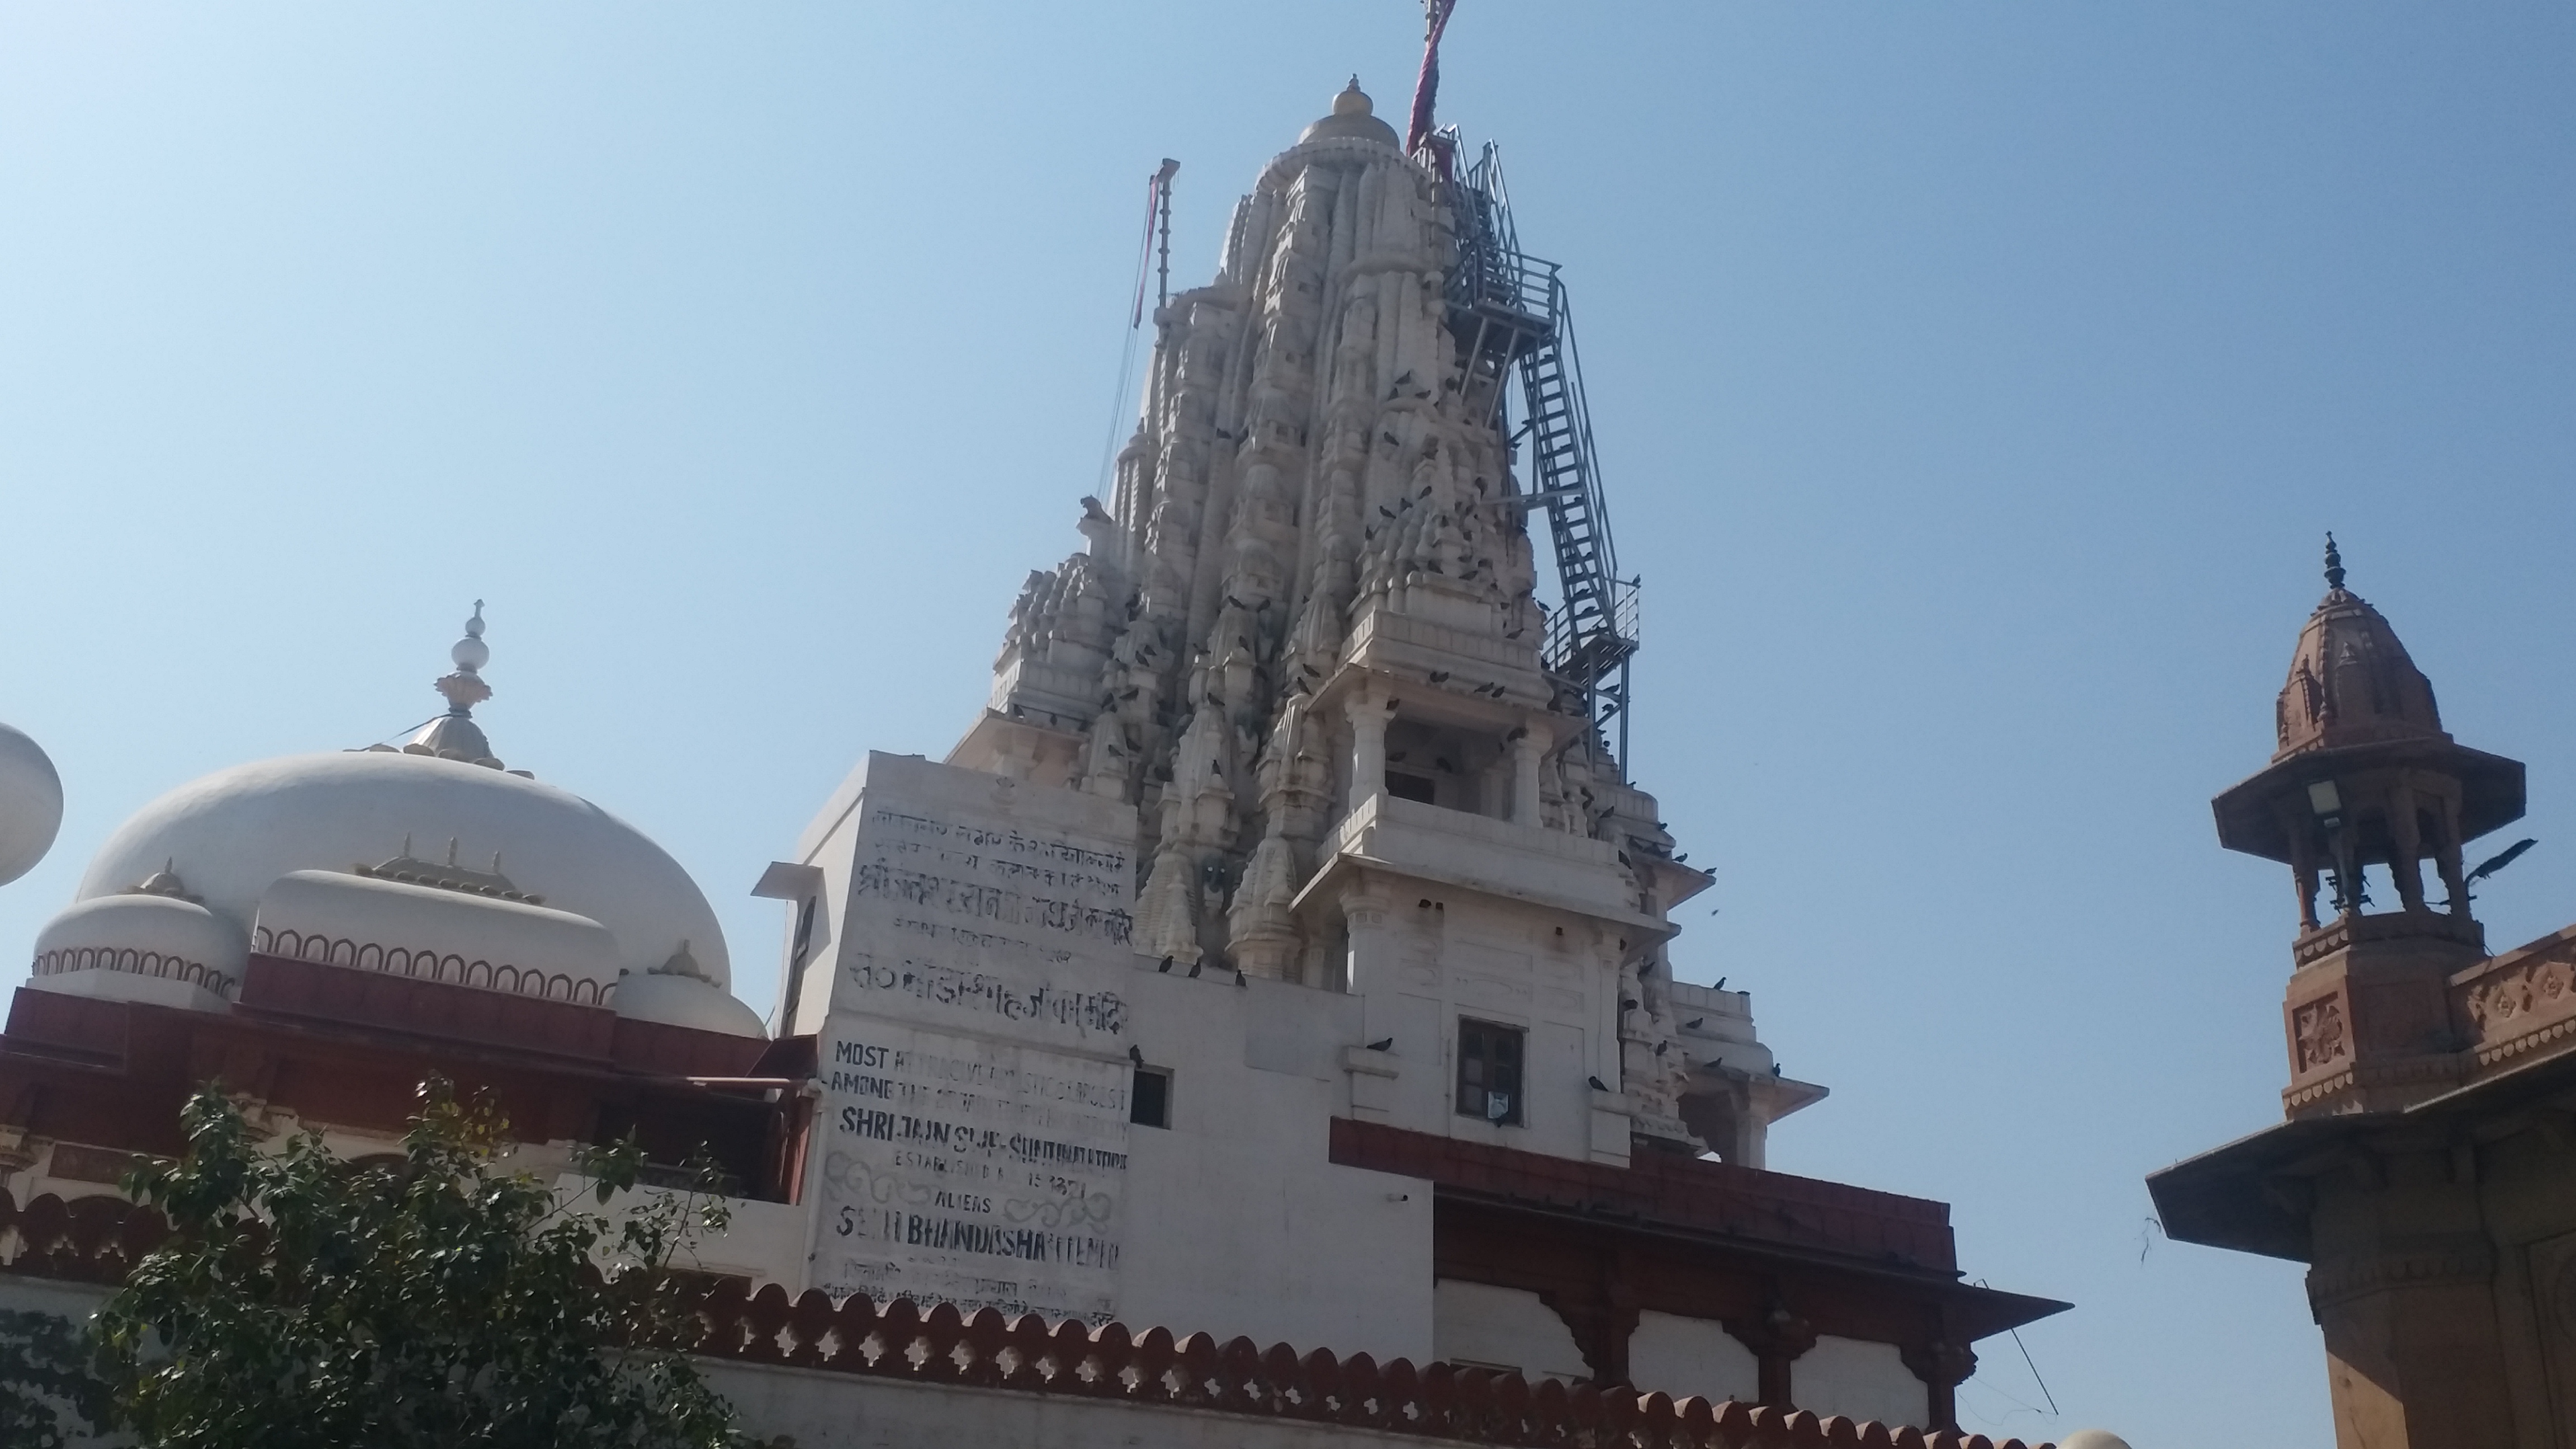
232, 834
31, 804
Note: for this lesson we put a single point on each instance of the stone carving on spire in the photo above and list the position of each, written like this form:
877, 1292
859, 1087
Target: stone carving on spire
1305, 461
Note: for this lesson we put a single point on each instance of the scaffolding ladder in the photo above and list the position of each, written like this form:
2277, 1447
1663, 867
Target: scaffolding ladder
1508, 313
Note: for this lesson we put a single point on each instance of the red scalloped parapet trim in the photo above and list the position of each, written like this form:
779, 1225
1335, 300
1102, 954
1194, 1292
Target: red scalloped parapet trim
1436, 1401
99, 1239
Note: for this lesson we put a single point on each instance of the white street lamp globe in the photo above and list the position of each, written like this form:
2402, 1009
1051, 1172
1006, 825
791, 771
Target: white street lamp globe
31, 804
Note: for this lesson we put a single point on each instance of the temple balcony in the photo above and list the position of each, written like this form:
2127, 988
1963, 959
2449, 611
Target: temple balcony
1503, 858
1736, 1089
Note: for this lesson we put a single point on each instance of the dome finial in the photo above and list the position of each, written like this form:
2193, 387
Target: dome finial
465, 688
2334, 565
454, 735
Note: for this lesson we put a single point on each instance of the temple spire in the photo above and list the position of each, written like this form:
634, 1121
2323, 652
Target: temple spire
2334, 565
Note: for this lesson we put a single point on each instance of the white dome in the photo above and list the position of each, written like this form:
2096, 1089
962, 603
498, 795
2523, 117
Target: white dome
2092, 1439
31, 804
141, 947
232, 834
685, 1001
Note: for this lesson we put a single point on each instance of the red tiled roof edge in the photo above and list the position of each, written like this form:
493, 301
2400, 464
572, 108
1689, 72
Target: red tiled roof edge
99, 1239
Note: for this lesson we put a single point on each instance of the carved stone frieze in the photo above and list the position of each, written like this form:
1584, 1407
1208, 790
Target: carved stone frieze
2417, 1263
2318, 1035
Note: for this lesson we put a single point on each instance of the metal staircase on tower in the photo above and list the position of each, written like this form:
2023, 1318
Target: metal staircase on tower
1507, 311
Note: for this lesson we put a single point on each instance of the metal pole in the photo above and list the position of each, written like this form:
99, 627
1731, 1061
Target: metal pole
1163, 191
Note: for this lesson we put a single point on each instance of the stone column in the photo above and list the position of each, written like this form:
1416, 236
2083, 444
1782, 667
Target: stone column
2303, 865
1528, 753
2404, 1284
2446, 857
1364, 921
2406, 860
1367, 714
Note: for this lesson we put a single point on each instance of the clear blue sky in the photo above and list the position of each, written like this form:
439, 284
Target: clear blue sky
1974, 383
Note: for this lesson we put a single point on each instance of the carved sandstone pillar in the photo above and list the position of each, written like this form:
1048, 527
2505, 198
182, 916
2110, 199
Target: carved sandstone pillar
2446, 857
2406, 861
2303, 869
2404, 1284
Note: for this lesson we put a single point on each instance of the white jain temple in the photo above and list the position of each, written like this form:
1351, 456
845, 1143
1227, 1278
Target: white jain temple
1282, 954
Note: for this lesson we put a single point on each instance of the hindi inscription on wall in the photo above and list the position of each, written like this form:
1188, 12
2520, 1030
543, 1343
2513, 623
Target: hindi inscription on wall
973, 1141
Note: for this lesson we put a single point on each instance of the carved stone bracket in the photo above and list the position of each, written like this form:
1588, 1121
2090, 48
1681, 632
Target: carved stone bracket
1942, 1366
1777, 1339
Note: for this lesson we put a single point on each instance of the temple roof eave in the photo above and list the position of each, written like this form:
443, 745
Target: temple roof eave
1338, 869
2492, 788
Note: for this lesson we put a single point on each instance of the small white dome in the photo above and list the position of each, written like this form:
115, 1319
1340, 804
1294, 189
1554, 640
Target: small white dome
435, 935
233, 833
141, 948
685, 1001
2092, 1439
31, 804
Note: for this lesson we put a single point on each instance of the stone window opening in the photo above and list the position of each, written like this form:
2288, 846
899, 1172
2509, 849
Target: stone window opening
1406, 785
1452, 768
1489, 1072
1149, 1097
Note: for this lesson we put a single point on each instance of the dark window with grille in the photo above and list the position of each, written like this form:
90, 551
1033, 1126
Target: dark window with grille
1149, 1098
1489, 1071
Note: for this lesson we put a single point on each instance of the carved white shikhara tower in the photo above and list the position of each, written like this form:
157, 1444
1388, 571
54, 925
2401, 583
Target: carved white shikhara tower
1284, 945
1306, 639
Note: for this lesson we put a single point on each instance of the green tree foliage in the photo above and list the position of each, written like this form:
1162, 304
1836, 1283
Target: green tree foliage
304, 1302
44, 1377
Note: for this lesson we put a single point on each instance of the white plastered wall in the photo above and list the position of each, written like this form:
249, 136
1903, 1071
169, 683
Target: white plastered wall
1238, 1221
1468, 954
1858, 1380
816, 1409
1685, 1356
1235, 1221
1492, 1327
